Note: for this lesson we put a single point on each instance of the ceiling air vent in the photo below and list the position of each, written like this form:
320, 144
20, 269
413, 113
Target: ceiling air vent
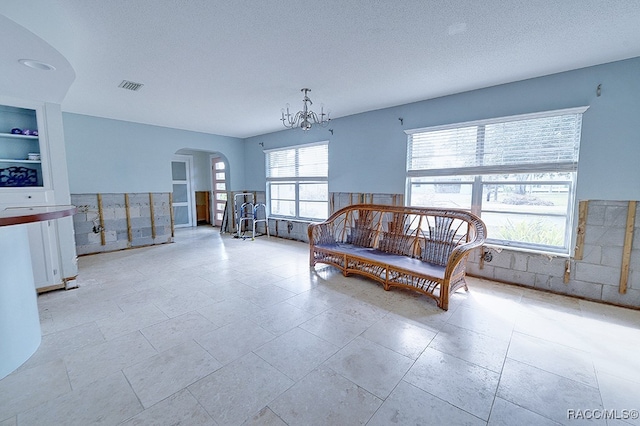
130, 85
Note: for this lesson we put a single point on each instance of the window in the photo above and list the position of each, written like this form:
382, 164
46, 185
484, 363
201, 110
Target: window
517, 173
297, 181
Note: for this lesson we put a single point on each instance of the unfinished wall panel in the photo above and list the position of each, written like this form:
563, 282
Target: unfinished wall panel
595, 276
125, 224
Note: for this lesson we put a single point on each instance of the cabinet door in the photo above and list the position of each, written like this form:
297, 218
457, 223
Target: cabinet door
44, 254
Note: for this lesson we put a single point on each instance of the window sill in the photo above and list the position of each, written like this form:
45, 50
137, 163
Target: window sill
499, 248
296, 220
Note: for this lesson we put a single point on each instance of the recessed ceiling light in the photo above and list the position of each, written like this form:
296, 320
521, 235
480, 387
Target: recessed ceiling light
32, 63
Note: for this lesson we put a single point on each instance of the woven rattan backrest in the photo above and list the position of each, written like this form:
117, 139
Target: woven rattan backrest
430, 234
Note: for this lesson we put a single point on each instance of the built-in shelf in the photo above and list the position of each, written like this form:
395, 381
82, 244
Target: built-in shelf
6, 160
17, 136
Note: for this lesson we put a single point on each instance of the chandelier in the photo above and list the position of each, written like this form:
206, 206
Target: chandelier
305, 118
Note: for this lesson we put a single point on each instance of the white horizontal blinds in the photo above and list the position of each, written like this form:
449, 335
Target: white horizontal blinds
548, 140
304, 162
313, 161
281, 163
443, 149
539, 143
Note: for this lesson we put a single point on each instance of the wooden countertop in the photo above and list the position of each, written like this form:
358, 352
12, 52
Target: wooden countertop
18, 215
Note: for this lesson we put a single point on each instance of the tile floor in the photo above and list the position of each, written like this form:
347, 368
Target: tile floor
213, 330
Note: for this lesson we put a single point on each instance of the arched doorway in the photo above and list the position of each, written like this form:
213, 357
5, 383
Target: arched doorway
207, 183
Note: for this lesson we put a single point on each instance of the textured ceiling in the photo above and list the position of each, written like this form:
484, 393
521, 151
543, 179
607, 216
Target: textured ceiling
228, 66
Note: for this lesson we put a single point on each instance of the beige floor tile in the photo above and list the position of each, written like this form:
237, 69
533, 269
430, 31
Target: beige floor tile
268, 295
371, 366
72, 315
362, 310
97, 361
178, 304
229, 311
110, 400
178, 330
107, 290
405, 338
562, 360
296, 352
180, 408
460, 383
491, 322
505, 413
240, 389
620, 395
480, 349
58, 344
25, 389
298, 283
419, 310
141, 298
310, 301
229, 289
324, 397
409, 405
568, 333
13, 421
280, 318
258, 279
335, 327
160, 376
234, 340
127, 322
546, 393
265, 417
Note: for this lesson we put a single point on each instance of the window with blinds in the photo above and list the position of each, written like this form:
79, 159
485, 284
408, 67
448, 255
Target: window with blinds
297, 181
518, 173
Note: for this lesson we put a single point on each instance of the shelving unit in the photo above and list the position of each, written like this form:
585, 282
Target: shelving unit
15, 149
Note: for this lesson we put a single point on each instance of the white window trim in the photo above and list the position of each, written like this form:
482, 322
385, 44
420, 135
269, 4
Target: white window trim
297, 181
305, 145
477, 171
505, 119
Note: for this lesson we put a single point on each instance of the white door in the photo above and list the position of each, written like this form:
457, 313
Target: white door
182, 194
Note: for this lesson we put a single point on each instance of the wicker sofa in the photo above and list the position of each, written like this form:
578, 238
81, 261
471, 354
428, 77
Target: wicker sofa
422, 249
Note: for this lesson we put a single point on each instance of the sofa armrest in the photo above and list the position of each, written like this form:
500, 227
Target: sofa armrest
458, 255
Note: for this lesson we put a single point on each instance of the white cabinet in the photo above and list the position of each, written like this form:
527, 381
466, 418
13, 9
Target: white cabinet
26, 180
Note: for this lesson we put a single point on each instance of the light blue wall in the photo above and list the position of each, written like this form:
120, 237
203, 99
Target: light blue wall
367, 152
112, 156
201, 165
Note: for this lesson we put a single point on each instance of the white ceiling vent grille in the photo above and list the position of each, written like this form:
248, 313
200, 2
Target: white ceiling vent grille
130, 85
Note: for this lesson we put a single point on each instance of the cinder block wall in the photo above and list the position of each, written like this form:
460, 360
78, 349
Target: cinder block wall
596, 276
87, 224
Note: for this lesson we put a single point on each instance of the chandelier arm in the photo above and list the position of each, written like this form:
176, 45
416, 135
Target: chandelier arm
305, 118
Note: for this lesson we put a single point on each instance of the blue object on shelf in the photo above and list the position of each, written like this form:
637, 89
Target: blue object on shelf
18, 176
16, 131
